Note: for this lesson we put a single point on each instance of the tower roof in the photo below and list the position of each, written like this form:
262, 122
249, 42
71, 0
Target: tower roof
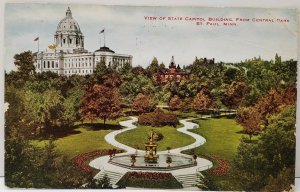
68, 24
172, 63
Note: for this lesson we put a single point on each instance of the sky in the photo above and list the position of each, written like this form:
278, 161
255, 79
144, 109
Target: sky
127, 32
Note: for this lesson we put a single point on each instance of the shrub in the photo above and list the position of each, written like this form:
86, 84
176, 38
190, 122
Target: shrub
206, 181
175, 103
149, 180
158, 118
82, 160
157, 136
222, 168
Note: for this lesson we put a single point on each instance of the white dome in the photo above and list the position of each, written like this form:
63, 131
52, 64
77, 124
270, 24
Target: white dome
68, 37
68, 24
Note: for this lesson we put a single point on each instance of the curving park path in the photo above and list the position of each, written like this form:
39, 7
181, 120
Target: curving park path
128, 124
102, 164
111, 137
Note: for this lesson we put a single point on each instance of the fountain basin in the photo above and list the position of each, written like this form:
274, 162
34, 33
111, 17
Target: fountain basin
178, 162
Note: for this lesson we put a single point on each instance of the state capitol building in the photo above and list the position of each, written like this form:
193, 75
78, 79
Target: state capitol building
69, 56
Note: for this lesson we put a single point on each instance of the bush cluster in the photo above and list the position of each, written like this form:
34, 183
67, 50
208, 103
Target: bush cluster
82, 160
158, 118
157, 136
223, 166
150, 180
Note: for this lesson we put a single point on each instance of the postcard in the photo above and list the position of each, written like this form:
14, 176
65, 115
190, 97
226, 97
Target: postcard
150, 97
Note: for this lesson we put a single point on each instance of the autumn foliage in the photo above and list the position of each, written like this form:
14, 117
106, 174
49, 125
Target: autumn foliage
142, 103
150, 180
158, 118
274, 101
203, 100
234, 95
101, 102
175, 103
249, 118
252, 118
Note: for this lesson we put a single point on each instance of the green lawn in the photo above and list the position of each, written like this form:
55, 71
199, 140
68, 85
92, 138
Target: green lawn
84, 138
172, 138
222, 137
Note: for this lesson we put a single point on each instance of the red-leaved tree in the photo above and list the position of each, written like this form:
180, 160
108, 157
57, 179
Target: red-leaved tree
101, 102
249, 118
175, 103
142, 103
203, 101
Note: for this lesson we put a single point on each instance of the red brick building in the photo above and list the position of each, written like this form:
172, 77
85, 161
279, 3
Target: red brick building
173, 73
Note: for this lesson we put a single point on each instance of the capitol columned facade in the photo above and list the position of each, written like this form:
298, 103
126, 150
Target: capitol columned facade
68, 57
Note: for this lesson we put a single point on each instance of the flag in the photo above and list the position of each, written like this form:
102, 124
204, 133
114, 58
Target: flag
36, 39
101, 31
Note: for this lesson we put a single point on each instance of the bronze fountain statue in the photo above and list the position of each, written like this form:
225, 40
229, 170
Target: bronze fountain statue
150, 150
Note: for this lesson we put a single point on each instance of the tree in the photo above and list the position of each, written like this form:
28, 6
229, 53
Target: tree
100, 70
101, 102
24, 62
153, 68
15, 111
112, 79
202, 101
142, 103
135, 84
282, 182
126, 68
27, 166
273, 152
234, 94
175, 103
25, 70
230, 75
249, 118
103, 183
43, 110
205, 181
72, 105
274, 100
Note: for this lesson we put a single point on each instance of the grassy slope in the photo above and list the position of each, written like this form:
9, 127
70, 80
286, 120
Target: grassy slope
222, 135
172, 138
84, 138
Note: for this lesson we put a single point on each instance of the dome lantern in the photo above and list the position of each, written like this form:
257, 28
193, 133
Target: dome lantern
69, 13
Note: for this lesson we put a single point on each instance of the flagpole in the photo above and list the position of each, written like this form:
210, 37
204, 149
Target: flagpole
100, 40
104, 36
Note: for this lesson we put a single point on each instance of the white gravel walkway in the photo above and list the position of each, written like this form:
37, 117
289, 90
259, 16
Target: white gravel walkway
102, 162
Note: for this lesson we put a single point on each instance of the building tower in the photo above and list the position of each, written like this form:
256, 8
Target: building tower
68, 37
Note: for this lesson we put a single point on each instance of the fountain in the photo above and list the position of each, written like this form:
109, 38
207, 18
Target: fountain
150, 160
150, 150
